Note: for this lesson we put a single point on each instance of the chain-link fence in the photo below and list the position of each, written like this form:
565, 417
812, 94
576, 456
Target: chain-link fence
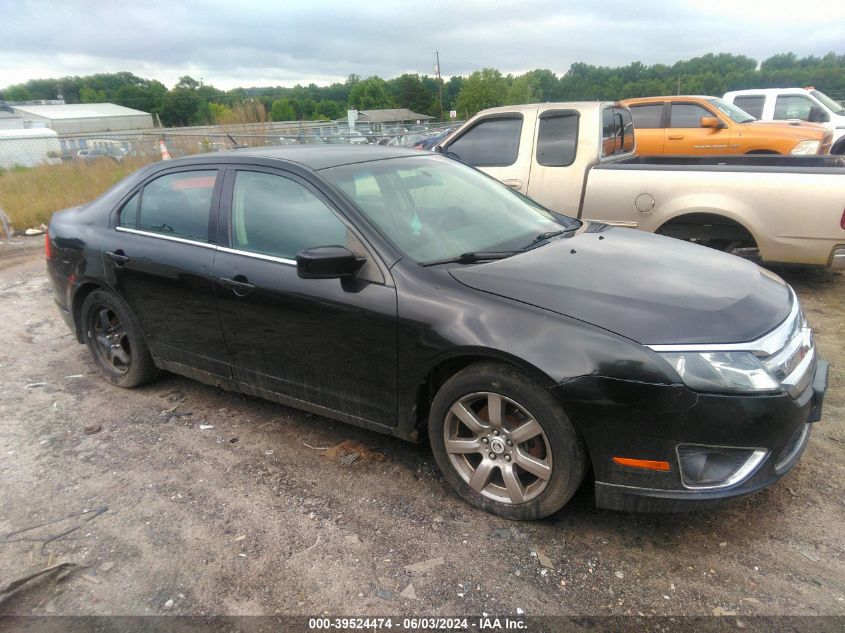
31, 147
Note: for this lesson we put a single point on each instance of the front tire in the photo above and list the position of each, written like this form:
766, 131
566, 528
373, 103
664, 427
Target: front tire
504, 444
115, 341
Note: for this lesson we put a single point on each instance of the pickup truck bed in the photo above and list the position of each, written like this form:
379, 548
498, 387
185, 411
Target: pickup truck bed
579, 159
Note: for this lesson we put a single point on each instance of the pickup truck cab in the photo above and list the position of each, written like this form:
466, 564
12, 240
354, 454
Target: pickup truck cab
788, 104
698, 125
578, 159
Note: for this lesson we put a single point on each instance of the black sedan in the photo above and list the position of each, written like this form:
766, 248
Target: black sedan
413, 295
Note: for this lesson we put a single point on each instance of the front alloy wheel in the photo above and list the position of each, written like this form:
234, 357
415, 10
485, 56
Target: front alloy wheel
504, 443
498, 448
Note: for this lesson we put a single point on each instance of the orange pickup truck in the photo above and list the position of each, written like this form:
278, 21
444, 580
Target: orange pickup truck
696, 125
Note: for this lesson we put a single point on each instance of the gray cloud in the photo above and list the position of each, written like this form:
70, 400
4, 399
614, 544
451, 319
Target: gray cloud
260, 43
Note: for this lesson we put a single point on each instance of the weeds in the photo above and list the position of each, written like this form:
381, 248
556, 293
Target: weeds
29, 196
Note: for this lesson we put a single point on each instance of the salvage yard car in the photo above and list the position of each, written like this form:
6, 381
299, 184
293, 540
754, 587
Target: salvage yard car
410, 294
803, 104
697, 125
578, 159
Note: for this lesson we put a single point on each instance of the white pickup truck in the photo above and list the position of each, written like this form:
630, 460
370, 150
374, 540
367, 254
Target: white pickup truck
578, 159
799, 104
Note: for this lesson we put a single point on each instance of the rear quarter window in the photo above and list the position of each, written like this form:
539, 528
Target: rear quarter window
490, 143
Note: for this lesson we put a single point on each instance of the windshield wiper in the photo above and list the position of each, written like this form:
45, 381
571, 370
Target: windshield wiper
472, 257
546, 236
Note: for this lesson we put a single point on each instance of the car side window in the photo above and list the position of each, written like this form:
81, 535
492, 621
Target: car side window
648, 117
490, 143
178, 204
277, 216
753, 104
793, 107
129, 213
688, 115
557, 139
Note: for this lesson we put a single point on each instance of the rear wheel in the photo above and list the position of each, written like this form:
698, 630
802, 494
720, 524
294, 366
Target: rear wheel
115, 342
504, 443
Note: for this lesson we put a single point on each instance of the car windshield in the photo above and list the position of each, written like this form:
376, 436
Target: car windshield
828, 102
432, 208
728, 109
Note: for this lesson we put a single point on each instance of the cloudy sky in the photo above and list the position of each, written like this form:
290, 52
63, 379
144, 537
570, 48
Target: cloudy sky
284, 42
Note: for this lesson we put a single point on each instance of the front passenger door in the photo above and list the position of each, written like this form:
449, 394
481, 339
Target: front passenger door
328, 342
686, 136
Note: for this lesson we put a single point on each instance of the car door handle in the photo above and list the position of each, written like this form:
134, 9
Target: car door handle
513, 183
239, 285
118, 257
675, 138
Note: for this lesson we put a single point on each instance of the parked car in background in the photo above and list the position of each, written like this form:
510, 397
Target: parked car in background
578, 159
116, 154
433, 139
804, 104
409, 294
695, 126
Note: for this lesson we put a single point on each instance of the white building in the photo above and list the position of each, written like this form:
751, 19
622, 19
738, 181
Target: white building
82, 118
29, 147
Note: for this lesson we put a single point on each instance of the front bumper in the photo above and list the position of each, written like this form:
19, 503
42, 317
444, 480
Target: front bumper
647, 421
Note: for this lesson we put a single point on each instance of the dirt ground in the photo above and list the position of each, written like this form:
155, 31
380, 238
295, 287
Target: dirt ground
198, 501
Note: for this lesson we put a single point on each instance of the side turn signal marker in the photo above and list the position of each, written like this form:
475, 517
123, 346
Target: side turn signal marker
648, 464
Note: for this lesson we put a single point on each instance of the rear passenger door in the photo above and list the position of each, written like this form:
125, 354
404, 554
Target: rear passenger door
327, 342
159, 258
500, 145
554, 183
650, 127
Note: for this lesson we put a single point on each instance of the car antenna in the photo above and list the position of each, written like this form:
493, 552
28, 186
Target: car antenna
235, 144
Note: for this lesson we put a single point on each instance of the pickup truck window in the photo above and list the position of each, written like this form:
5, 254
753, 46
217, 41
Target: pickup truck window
793, 107
687, 115
829, 103
491, 143
617, 136
730, 110
648, 117
557, 139
753, 104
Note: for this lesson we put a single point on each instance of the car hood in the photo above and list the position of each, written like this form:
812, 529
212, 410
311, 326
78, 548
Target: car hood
649, 288
795, 129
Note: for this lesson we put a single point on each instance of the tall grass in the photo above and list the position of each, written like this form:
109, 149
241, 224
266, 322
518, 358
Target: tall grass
29, 196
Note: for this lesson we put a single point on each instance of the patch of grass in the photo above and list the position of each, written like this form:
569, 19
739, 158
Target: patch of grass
30, 196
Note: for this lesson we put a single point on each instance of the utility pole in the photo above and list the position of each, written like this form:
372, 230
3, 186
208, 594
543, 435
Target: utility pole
439, 84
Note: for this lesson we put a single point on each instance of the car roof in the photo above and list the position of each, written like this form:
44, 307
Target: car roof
638, 100
316, 156
768, 91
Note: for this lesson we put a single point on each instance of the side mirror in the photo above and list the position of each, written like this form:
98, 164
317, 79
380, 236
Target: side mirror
711, 122
817, 115
327, 262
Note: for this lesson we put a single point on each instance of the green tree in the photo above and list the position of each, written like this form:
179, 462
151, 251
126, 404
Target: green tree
282, 110
410, 91
482, 89
180, 107
524, 89
370, 94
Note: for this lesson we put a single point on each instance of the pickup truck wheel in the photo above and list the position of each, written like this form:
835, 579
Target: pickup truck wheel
504, 444
115, 342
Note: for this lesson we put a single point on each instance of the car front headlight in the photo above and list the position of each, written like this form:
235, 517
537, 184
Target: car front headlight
722, 371
806, 147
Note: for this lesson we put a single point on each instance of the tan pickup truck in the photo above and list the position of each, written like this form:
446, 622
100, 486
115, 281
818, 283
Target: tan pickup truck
578, 159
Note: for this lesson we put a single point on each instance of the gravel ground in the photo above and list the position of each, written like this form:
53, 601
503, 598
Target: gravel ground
198, 501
